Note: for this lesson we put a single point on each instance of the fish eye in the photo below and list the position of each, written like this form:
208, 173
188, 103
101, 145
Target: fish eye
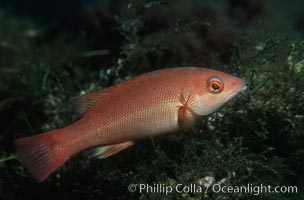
215, 85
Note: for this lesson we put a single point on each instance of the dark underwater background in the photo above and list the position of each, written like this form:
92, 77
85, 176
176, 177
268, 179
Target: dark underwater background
54, 50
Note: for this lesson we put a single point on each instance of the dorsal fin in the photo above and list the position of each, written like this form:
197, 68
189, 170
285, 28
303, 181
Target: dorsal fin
83, 103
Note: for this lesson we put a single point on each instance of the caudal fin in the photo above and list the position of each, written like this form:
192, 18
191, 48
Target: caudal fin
41, 154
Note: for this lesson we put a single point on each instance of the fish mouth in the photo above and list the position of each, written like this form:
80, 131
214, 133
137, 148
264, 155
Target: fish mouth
244, 87
232, 95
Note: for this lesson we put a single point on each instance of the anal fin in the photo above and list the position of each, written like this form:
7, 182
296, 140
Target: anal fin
109, 150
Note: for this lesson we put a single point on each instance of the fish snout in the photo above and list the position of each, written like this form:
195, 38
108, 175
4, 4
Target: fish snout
242, 87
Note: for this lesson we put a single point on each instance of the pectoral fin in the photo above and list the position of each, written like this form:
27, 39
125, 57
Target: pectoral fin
109, 150
186, 116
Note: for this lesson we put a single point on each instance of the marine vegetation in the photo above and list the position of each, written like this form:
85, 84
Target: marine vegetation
256, 139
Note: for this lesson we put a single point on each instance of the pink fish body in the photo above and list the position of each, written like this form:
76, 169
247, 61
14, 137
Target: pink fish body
156, 103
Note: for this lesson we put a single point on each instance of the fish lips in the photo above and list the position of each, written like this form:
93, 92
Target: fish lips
232, 95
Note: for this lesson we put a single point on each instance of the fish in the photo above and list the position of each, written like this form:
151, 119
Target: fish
153, 104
